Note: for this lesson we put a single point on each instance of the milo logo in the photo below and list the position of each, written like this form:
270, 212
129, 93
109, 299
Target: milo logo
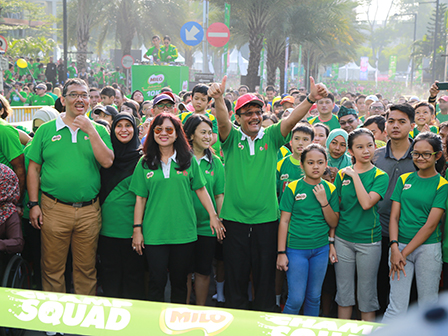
407, 186
300, 197
56, 138
156, 79
345, 182
284, 177
180, 320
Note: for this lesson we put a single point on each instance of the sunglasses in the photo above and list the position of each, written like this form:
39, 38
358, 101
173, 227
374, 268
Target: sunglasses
159, 129
162, 106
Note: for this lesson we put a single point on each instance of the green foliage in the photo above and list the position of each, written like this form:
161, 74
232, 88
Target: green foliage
30, 46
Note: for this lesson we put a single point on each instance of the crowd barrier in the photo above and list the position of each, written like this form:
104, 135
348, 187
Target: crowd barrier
23, 113
92, 315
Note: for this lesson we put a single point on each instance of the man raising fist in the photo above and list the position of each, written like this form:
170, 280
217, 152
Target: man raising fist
250, 207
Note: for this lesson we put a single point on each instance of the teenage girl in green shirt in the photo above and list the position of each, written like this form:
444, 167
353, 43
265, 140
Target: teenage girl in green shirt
358, 235
419, 201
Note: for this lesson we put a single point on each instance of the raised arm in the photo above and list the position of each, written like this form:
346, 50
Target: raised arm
216, 91
317, 91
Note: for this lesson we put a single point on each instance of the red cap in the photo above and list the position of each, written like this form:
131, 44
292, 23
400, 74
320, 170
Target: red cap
246, 99
287, 99
444, 98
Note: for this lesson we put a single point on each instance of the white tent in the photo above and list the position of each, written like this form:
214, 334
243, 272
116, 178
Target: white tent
236, 59
351, 70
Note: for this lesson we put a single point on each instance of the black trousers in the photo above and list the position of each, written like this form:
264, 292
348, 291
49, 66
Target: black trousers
249, 248
383, 284
176, 259
121, 270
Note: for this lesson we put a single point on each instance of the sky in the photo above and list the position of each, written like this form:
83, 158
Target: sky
383, 7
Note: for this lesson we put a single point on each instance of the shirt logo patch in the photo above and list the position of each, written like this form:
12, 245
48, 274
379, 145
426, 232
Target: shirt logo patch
346, 182
185, 173
240, 145
284, 176
266, 146
207, 172
86, 137
407, 186
56, 138
261, 148
150, 174
300, 197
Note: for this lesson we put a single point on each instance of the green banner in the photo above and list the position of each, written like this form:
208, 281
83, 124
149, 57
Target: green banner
226, 47
91, 315
335, 70
392, 66
419, 74
150, 79
260, 88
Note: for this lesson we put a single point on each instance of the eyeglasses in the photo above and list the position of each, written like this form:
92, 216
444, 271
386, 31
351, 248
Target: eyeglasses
162, 106
159, 129
250, 114
426, 156
343, 123
379, 108
76, 95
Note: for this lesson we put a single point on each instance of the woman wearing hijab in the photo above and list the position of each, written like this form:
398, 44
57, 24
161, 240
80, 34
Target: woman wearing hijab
122, 270
337, 151
11, 239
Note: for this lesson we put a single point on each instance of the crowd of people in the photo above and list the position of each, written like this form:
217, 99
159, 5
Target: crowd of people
344, 200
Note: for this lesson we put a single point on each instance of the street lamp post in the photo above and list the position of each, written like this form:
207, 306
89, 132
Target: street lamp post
436, 28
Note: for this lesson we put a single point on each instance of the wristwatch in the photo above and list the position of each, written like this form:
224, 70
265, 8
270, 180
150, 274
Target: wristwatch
31, 205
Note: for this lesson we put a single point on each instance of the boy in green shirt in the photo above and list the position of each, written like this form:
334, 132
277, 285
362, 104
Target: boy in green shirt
325, 108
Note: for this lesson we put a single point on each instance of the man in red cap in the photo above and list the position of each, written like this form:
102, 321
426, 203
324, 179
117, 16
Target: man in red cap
164, 102
250, 207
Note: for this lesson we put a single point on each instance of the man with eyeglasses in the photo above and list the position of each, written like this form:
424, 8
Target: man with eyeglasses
66, 155
376, 108
250, 207
395, 159
348, 119
164, 102
41, 98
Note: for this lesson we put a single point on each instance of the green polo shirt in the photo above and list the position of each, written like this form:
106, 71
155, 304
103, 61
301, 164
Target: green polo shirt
154, 52
8, 77
214, 175
288, 170
69, 170
184, 116
417, 197
117, 211
357, 225
307, 228
169, 216
45, 100
71, 72
333, 123
10, 146
415, 131
15, 100
442, 117
250, 190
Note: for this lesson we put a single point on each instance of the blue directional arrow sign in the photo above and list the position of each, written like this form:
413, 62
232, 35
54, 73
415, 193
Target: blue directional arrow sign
192, 33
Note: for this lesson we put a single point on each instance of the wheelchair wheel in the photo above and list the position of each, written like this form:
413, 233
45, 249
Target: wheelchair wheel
17, 275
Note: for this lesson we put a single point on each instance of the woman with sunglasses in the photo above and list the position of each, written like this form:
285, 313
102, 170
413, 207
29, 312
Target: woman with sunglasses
164, 216
419, 201
198, 129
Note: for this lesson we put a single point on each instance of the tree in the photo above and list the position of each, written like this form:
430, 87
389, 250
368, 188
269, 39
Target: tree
30, 46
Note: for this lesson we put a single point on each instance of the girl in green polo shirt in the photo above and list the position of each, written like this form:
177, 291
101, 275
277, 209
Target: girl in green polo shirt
358, 235
198, 129
121, 269
309, 208
419, 201
164, 217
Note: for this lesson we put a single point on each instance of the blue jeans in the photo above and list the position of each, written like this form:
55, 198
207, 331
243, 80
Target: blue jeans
306, 273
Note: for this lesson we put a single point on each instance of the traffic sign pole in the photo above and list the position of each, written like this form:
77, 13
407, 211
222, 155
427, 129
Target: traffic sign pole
126, 62
3, 44
226, 47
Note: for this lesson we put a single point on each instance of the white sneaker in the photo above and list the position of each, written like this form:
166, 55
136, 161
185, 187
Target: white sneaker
51, 333
215, 297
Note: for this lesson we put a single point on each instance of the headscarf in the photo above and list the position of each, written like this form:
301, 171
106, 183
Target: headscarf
126, 158
343, 111
9, 192
344, 160
46, 113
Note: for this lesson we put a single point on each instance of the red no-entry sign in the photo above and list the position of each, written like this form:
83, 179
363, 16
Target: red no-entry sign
218, 34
